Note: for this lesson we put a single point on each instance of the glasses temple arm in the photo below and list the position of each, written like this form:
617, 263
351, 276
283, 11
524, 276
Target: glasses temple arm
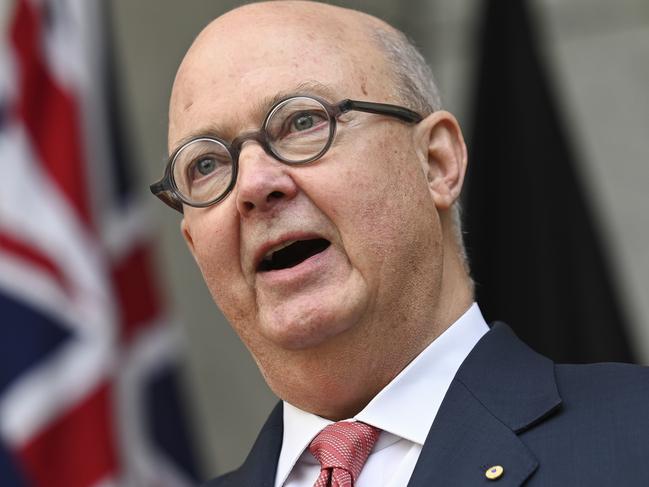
402, 113
161, 190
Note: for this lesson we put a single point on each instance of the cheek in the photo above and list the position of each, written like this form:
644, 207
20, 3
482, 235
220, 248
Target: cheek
382, 185
216, 250
362, 179
388, 215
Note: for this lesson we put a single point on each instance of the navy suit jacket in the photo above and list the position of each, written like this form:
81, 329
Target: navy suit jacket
547, 425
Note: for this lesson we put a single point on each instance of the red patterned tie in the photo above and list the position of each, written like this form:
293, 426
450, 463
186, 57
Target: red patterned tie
342, 448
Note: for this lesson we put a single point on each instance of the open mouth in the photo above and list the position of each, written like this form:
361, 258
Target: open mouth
292, 254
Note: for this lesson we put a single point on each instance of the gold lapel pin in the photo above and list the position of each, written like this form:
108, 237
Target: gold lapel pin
495, 472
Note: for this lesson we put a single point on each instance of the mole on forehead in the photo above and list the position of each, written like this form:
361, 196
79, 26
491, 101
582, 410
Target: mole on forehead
219, 129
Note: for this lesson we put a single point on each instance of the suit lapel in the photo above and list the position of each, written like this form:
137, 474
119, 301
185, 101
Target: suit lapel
260, 466
501, 389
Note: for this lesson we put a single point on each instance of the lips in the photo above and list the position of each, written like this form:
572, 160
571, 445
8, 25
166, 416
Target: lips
290, 253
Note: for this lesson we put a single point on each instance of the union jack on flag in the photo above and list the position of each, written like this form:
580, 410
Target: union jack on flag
88, 356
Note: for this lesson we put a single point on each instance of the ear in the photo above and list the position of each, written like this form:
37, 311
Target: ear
443, 156
184, 229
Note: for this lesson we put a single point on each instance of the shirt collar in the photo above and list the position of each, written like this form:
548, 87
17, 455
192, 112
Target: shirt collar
407, 406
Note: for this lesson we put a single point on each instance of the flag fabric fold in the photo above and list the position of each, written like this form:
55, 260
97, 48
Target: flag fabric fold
89, 357
535, 252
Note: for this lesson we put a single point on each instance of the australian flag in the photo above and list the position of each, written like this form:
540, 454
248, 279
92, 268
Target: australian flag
88, 354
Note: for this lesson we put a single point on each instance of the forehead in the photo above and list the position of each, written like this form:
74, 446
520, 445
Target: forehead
238, 66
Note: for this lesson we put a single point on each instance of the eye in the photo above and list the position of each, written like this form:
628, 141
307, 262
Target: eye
298, 120
305, 120
207, 166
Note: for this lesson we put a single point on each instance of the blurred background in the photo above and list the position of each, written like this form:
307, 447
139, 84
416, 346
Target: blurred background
576, 96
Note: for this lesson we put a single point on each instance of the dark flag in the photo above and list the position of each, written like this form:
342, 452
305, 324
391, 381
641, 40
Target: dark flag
534, 249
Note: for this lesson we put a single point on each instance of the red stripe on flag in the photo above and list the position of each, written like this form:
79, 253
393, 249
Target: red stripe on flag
78, 449
50, 114
136, 291
32, 256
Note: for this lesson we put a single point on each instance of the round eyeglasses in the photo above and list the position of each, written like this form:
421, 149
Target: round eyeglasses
296, 130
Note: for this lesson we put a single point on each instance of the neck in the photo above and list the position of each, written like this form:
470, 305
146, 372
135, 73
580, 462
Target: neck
337, 380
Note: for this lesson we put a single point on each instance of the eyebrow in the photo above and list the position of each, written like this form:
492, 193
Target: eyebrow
260, 109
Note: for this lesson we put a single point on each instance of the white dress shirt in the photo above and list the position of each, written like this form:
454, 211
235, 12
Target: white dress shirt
404, 410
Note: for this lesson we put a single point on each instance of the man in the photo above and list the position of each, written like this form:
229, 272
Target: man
329, 238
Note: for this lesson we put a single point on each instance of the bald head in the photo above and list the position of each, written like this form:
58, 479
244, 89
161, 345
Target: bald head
356, 45
248, 44
325, 18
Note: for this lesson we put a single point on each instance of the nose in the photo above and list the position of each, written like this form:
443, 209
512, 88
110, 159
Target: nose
263, 183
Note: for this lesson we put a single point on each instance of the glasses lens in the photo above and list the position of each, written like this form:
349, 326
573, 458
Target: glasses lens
202, 170
299, 129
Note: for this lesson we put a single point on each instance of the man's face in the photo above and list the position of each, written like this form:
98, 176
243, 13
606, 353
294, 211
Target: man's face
365, 205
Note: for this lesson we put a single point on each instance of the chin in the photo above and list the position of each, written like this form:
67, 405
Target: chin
291, 327
311, 317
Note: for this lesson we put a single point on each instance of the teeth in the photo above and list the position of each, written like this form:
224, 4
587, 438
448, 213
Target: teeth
269, 255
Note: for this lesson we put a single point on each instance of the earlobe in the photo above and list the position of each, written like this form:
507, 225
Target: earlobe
444, 157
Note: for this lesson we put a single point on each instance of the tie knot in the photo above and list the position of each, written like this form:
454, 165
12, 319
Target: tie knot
344, 445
